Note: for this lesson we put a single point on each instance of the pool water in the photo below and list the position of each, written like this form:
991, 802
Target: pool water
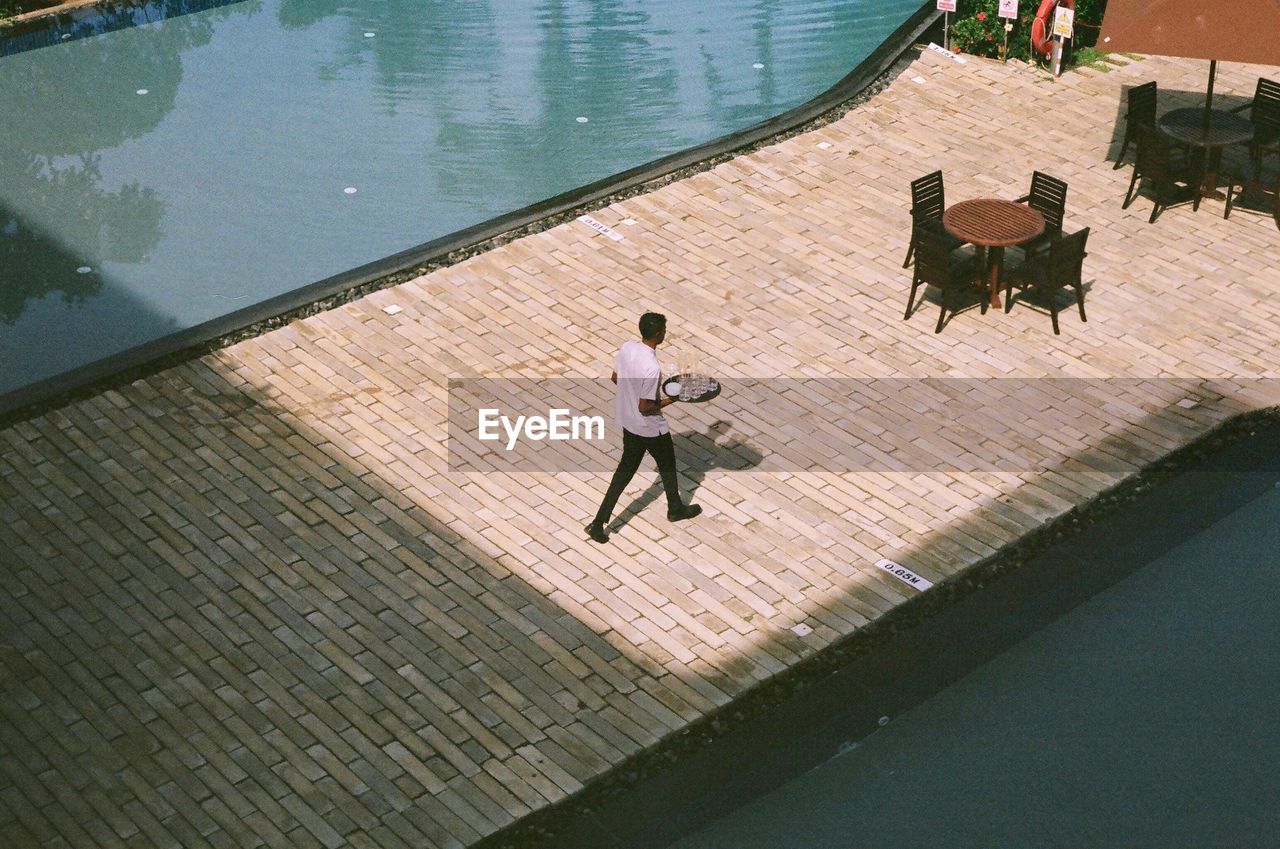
158, 176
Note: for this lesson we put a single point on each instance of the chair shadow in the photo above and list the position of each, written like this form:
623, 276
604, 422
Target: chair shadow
1258, 201
973, 297
1038, 299
1235, 168
932, 296
696, 455
1181, 195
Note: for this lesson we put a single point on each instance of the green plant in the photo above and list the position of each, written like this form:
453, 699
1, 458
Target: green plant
1089, 57
979, 30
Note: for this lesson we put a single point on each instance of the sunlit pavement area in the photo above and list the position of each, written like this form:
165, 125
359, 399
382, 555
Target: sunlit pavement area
246, 602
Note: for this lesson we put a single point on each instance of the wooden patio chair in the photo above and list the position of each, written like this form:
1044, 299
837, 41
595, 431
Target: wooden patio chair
1048, 196
952, 273
1061, 267
1140, 111
928, 202
1254, 179
1169, 176
1264, 114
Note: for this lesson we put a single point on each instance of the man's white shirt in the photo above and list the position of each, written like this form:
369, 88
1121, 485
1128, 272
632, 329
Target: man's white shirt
639, 376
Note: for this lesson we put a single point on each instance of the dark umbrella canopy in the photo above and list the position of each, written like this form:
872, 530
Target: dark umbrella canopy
1217, 30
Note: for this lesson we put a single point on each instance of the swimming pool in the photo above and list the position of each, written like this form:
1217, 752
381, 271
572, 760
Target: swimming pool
165, 174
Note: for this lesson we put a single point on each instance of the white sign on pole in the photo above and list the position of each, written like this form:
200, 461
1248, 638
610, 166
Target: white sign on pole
1008, 8
946, 5
1063, 20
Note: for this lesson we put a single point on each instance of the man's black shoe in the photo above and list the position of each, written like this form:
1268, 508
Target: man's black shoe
688, 511
596, 532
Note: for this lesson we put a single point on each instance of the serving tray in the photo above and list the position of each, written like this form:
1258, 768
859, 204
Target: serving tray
675, 381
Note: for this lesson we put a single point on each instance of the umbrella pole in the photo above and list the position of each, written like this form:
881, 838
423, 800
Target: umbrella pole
1208, 101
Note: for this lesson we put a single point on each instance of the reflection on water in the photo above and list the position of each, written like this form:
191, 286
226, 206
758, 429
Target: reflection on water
87, 21
61, 220
54, 200
207, 161
118, 226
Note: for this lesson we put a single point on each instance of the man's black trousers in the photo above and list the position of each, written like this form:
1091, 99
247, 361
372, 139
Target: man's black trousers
633, 451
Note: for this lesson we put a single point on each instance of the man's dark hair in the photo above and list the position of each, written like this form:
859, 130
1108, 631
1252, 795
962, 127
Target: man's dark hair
651, 324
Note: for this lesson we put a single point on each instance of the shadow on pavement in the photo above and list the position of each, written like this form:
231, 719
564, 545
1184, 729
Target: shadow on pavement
696, 455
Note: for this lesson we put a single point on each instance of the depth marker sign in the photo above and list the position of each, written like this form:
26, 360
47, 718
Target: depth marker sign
603, 229
902, 573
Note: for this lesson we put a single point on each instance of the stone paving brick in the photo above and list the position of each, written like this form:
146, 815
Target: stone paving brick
312, 822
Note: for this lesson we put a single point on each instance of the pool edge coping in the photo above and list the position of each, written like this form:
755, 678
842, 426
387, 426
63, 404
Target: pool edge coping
139, 362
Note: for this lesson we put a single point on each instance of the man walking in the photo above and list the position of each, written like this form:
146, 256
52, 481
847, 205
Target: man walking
639, 411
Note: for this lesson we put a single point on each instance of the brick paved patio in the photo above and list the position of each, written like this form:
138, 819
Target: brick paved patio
246, 603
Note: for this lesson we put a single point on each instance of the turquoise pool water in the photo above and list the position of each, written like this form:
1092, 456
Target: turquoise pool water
159, 176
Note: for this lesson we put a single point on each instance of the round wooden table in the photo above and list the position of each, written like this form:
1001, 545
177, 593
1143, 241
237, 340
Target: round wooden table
1223, 129
995, 224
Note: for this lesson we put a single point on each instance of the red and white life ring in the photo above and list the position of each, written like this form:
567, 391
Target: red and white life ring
1042, 26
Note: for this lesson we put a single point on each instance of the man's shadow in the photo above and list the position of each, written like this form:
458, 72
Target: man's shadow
696, 454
